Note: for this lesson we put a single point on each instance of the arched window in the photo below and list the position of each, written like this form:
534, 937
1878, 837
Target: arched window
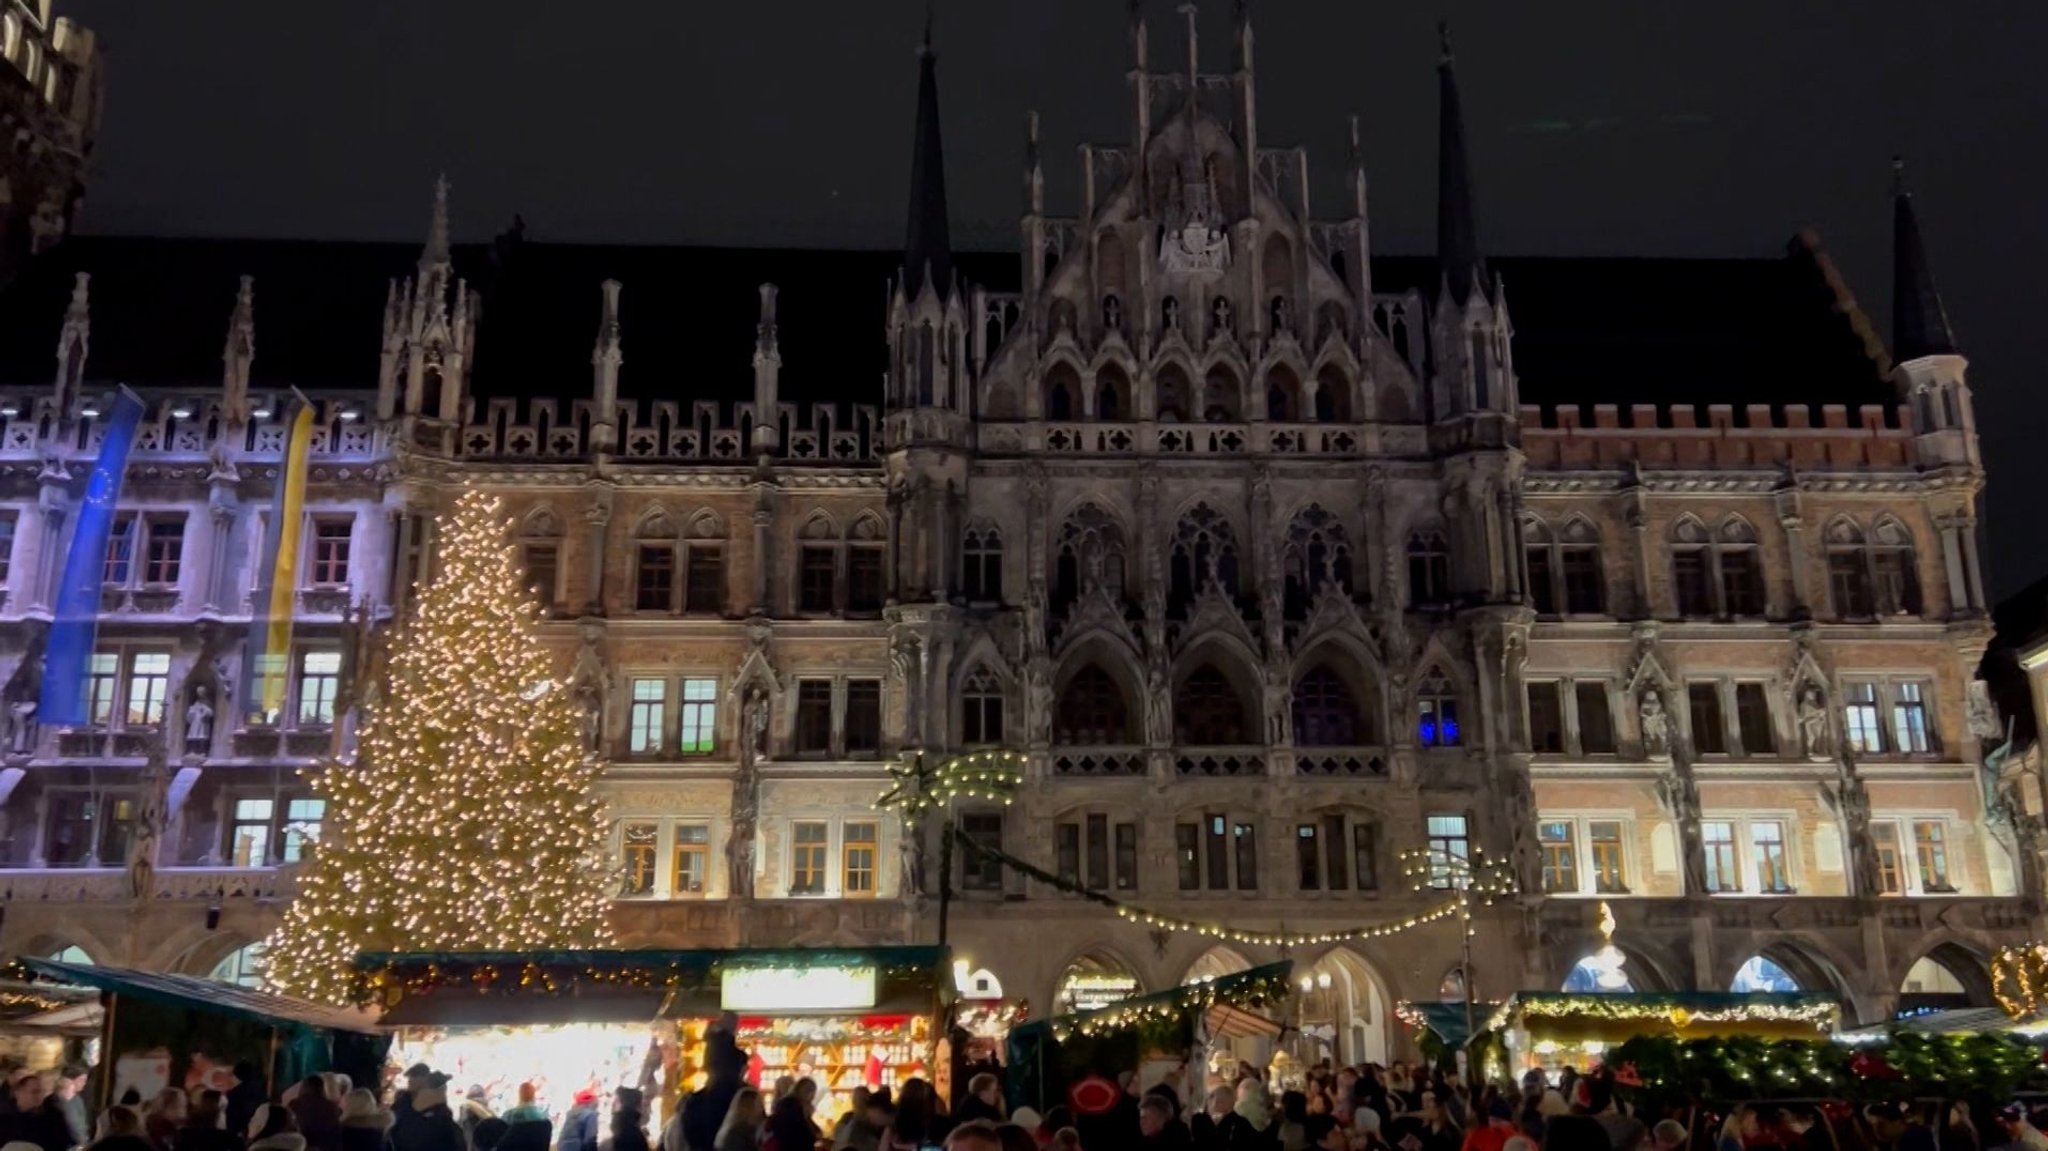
1090, 554
1317, 556
1719, 574
1429, 569
1333, 396
241, 967
1093, 982
1597, 975
1436, 712
74, 955
1327, 712
1207, 710
1112, 394
1283, 395
981, 568
1173, 389
1221, 402
1092, 710
1565, 576
1761, 974
981, 709
1204, 556
540, 555
655, 586
1062, 392
1849, 572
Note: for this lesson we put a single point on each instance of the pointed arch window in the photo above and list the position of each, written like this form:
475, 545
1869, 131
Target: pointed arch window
1874, 575
1333, 396
981, 709
1718, 574
1436, 712
1092, 710
1565, 576
654, 574
1172, 386
1090, 555
1283, 395
1429, 569
1204, 557
1208, 711
1894, 571
1329, 713
981, 568
1112, 394
704, 566
1317, 556
1062, 392
540, 556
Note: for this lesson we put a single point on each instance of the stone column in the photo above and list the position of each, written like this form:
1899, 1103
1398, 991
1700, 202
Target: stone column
1639, 532
1973, 571
1953, 564
597, 520
215, 593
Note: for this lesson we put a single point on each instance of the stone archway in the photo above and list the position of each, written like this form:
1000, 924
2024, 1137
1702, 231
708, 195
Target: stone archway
1346, 1011
1094, 979
1946, 976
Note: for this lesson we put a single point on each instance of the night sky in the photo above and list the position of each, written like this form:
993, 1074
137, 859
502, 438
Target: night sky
1615, 128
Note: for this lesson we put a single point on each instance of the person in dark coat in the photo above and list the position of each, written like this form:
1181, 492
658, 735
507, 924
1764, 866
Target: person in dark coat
364, 1125
245, 1096
428, 1125
37, 1118
984, 1100
579, 1126
202, 1130
68, 1093
317, 1116
704, 1112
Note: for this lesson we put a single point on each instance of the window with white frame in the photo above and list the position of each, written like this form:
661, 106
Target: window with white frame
697, 718
1913, 855
163, 549
859, 858
1908, 701
1930, 855
128, 688
1770, 857
1449, 843
1337, 851
1583, 855
319, 687
646, 715
810, 843
1750, 853
1593, 718
332, 537
1705, 717
664, 857
1753, 724
1891, 865
1723, 872
1546, 717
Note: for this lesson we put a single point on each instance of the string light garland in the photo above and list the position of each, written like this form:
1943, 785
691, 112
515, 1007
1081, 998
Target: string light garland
918, 784
2019, 980
1255, 988
1907, 1066
467, 821
1458, 905
1675, 1010
391, 977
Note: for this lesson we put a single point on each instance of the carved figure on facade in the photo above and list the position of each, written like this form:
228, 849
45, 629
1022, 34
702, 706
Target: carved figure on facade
746, 814
1518, 811
754, 727
1983, 713
1655, 724
199, 721
1679, 798
1814, 719
1222, 325
1158, 702
23, 693
150, 816
911, 849
1279, 700
1038, 698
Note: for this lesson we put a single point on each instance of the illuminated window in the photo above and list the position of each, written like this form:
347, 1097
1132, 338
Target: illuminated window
319, 687
1450, 849
1436, 713
102, 686
646, 715
1930, 851
1773, 865
1723, 874
331, 537
1610, 869
1860, 719
1891, 873
639, 843
857, 852
249, 832
699, 716
692, 859
1560, 855
149, 684
242, 967
1909, 719
302, 820
809, 844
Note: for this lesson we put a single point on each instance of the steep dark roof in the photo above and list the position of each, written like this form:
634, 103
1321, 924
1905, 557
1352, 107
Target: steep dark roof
1919, 321
1617, 331
1457, 229
927, 242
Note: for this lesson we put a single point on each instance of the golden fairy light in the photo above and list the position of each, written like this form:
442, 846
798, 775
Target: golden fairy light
467, 821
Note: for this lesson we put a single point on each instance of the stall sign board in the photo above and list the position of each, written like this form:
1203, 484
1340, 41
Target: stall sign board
786, 990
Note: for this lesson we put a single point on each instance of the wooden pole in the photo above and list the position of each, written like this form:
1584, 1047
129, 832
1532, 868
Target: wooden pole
109, 1004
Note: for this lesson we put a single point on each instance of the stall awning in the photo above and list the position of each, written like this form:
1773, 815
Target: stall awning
185, 992
459, 1009
1959, 1021
1225, 1022
1576, 1017
1447, 1019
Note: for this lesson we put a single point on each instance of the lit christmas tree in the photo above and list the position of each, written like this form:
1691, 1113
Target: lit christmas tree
467, 822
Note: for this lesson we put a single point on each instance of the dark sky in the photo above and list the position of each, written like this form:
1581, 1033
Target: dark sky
1598, 128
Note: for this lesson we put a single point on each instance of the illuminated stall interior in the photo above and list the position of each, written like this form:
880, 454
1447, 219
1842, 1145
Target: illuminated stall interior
595, 1021
1556, 1030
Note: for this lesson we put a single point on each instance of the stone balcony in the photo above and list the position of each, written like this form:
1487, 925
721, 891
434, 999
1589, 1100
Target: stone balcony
113, 885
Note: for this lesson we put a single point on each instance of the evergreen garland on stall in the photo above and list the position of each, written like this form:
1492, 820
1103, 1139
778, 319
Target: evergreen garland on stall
1984, 1067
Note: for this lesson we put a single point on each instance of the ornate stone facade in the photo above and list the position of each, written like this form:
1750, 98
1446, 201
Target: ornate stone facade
1276, 571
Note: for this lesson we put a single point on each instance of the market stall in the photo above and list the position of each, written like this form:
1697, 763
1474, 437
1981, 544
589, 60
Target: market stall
1555, 1030
1048, 1056
158, 1030
600, 1020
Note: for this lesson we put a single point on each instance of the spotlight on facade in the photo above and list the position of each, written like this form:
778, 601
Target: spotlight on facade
182, 412
10, 409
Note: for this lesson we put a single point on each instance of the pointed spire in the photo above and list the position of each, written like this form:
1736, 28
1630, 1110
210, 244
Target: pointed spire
1034, 171
435, 254
766, 340
74, 342
928, 244
1919, 321
1457, 235
240, 353
767, 378
609, 343
1354, 162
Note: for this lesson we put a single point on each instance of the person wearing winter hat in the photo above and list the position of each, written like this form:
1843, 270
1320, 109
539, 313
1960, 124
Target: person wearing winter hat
528, 1107
579, 1126
365, 1126
428, 1125
271, 1129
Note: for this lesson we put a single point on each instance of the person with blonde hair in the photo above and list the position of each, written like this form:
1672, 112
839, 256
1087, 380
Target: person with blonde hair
741, 1130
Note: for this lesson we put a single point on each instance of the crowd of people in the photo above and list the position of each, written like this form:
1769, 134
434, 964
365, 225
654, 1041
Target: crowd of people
1367, 1108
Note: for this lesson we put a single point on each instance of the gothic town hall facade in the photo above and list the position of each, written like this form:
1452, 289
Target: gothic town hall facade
1280, 561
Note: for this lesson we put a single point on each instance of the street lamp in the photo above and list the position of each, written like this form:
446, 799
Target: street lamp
1471, 876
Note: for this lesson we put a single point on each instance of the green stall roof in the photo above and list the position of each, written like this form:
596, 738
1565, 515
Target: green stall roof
189, 993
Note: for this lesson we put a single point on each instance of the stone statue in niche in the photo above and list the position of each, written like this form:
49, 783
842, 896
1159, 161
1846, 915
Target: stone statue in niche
1158, 704
21, 725
150, 818
911, 852
1279, 705
199, 721
1112, 314
1169, 314
754, 727
590, 698
1656, 725
739, 846
1813, 724
1283, 315
1221, 323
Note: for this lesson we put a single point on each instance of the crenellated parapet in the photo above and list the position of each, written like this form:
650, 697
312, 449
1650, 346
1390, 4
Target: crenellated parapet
663, 430
1676, 435
33, 426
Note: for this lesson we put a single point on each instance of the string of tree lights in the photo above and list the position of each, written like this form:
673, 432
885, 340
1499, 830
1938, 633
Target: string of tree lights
1259, 987
467, 821
1986, 1066
919, 783
2019, 980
